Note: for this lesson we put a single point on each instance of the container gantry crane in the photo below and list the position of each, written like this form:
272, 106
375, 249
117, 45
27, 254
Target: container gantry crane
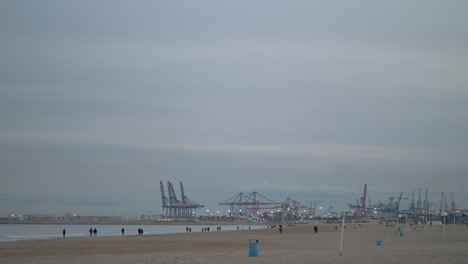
175, 208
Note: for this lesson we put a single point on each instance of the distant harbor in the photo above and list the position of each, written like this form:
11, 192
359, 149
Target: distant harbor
117, 220
71, 219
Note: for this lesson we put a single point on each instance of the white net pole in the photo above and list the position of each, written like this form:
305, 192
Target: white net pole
342, 228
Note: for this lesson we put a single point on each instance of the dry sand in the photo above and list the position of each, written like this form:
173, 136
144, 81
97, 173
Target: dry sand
297, 244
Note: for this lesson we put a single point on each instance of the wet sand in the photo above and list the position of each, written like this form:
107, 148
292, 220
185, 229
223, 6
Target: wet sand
297, 244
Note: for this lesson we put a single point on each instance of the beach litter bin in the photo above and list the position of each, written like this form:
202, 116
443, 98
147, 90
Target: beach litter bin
253, 247
379, 241
401, 233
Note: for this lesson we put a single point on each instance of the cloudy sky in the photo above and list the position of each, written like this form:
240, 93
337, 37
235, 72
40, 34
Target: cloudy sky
102, 100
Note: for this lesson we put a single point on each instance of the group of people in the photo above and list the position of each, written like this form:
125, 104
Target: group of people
204, 229
94, 231
91, 232
280, 228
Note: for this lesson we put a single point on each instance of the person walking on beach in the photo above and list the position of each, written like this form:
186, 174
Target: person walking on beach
281, 229
91, 232
95, 232
123, 231
63, 232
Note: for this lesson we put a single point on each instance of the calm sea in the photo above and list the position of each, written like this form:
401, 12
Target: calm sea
12, 232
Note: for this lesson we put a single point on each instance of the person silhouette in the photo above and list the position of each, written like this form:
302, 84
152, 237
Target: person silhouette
63, 232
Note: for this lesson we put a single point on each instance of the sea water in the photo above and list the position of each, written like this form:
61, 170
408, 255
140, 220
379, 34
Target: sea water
12, 232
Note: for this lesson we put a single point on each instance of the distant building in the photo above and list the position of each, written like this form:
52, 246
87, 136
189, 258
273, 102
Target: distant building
84, 218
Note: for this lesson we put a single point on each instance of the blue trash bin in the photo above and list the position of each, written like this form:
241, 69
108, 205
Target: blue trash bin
401, 233
253, 247
379, 241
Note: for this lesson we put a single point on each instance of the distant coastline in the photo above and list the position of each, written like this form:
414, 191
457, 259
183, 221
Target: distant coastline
129, 222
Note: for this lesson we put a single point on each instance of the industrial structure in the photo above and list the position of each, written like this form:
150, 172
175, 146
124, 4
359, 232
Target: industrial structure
291, 208
175, 208
256, 207
249, 205
252, 205
362, 202
312, 209
420, 210
453, 208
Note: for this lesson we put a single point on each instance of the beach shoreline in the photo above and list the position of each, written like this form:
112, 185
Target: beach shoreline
296, 244
51, 231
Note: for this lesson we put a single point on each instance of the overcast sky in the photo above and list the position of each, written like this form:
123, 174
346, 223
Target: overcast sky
101, 100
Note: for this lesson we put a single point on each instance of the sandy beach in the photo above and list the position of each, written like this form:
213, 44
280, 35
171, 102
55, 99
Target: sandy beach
297, 244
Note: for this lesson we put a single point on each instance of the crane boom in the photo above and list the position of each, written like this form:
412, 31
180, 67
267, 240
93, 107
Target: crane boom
184, 198
163, 197
399, 200
172, 195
